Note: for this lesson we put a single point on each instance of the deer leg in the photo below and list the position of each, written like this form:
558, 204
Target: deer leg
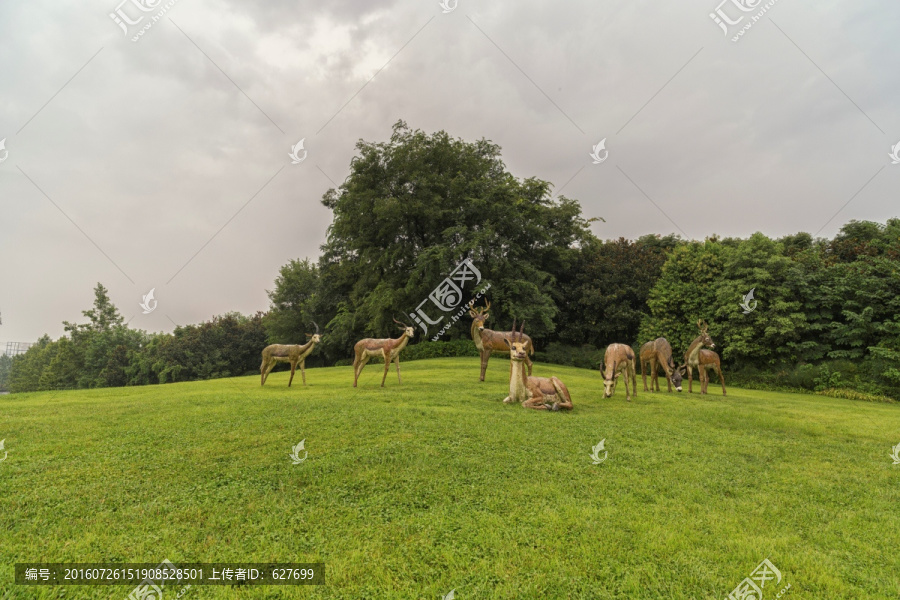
563, 399
721, 378
634, 380
654, 377
303, 370
485, 355
265, 369
626, 377
704, 379
690, 375
397, 363
535, 402
387, 365
358, 365
644, 374
529, 363
293, 368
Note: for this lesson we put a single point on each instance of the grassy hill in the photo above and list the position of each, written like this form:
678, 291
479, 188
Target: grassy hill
411, 491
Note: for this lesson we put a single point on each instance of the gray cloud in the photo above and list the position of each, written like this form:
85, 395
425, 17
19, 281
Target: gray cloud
154, 145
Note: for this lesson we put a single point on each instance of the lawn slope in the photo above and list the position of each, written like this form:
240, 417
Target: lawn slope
411, 491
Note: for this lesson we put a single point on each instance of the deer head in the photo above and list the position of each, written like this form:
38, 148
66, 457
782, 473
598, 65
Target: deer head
676, 377
314, 337
517, 347
480, 315
407, 330
704, 333
609, 380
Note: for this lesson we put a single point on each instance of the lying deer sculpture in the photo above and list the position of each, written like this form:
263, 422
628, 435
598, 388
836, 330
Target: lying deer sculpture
293, 354
539, 393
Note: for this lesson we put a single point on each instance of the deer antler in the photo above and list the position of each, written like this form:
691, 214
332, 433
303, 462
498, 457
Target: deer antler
701, 323
317, 327
401, 324
487, 305
512, 338
521, 330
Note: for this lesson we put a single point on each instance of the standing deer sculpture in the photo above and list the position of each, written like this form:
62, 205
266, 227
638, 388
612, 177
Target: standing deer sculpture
293, 354
539, 393
488, 341
618, 358
387, 348
692, 356
709, 360
655, 354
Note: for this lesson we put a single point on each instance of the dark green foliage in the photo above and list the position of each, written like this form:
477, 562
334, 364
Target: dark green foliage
412, 208
5, 366
105, 353
586, 356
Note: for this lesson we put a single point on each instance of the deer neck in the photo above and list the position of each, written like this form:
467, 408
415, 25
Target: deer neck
693, 353
518, 390
476, 337
401, 342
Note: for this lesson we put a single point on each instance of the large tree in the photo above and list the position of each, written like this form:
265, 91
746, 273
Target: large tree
413, 207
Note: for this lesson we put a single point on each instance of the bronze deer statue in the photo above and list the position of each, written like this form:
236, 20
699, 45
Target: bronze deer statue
709, 360
539, 393
293, 354
488, 341
619, 358
387, 348
692, 356
655, 354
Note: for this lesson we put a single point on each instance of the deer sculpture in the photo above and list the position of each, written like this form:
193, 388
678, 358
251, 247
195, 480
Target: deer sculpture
655, 354
539, 393
618, 358
488, 341
294, 354
692, 356
709, 361
389, 349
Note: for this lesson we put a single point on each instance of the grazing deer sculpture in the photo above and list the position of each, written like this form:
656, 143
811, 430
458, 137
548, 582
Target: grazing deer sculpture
488, 341
655, 354
539, 393
388, 348
293, 354
709, 360
616, 359
692, 356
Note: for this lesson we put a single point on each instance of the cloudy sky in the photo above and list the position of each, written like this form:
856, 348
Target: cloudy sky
164, 162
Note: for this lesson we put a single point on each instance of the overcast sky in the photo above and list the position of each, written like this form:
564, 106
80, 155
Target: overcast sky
164, 163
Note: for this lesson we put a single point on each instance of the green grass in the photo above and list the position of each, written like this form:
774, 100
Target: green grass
411, 491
